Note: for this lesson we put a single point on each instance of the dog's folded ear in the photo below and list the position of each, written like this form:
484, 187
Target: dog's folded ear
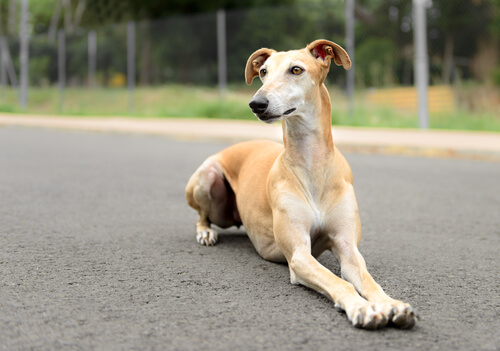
325, 50
255, 61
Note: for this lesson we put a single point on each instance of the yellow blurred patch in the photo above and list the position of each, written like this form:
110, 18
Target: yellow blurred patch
439, 98
118, 80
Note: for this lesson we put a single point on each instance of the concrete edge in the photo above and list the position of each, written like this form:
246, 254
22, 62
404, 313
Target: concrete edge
481, 146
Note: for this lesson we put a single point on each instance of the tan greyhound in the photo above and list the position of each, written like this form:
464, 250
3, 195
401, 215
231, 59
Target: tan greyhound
295, 200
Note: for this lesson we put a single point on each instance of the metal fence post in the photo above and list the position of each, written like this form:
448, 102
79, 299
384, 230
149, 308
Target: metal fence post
92, 51
349, 38
421, 60
131, 63
221, 50
24, 54
61, 65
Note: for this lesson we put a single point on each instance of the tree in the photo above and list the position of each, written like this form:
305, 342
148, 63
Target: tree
111, 11
457, 27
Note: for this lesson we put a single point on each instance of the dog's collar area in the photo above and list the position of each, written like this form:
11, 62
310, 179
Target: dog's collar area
289, 111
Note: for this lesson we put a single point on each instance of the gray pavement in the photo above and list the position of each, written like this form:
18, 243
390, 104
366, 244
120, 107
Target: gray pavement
97, 251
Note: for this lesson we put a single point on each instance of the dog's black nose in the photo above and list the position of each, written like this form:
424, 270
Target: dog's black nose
259, 104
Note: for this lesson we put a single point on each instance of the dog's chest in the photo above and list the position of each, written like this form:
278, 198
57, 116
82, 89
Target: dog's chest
329, 207
319, 208
311, 197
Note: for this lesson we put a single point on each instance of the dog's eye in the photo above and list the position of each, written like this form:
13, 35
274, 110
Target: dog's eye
296, 70
263, 73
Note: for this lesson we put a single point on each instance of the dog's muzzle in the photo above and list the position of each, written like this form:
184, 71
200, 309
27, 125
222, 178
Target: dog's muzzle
259, 104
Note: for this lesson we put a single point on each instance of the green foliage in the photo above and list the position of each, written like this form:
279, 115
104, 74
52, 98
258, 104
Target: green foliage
280, 28
182, 49
9, 108
38, 67
495, 14
465, 21
375, 62
384, 39
40, 14
111, 11
496, 76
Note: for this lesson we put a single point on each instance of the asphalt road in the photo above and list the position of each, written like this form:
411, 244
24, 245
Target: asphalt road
98, 251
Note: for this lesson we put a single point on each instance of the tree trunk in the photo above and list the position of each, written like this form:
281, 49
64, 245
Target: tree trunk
54, 22
12, 17
449, 45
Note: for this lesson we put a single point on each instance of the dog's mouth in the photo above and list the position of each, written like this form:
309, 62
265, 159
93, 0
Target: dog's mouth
271, 118
268, 118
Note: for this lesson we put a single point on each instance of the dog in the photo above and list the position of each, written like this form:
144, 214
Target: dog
296, 199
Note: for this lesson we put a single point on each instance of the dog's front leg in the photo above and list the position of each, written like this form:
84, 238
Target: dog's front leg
354, 270
346, 238
293, 238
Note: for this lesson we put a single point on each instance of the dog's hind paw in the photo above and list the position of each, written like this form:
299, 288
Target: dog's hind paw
207, 237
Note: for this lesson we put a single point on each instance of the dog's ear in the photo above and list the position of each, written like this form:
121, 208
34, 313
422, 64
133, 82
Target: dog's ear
324, 50
255, 61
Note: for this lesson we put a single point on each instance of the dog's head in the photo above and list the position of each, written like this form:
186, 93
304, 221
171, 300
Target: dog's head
290, 77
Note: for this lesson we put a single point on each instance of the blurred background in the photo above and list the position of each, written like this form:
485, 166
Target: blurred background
186, 58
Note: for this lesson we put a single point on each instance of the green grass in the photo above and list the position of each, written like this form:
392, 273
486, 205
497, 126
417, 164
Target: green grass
202, 102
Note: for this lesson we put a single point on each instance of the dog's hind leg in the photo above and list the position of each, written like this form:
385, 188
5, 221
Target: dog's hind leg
209, 193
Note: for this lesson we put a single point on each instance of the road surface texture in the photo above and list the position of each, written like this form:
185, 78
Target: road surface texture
98, 251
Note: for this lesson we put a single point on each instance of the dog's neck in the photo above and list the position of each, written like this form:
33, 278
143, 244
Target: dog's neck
308, 137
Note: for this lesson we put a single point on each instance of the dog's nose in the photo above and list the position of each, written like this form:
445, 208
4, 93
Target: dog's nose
259, 104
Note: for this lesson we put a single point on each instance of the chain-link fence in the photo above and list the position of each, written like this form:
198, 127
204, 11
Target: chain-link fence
183, 49
463, 52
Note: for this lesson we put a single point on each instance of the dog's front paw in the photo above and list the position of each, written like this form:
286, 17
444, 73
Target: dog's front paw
401, 314
404, 316
366, 316
207, 237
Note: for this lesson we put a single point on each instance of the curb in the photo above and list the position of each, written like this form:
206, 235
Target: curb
430, 143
